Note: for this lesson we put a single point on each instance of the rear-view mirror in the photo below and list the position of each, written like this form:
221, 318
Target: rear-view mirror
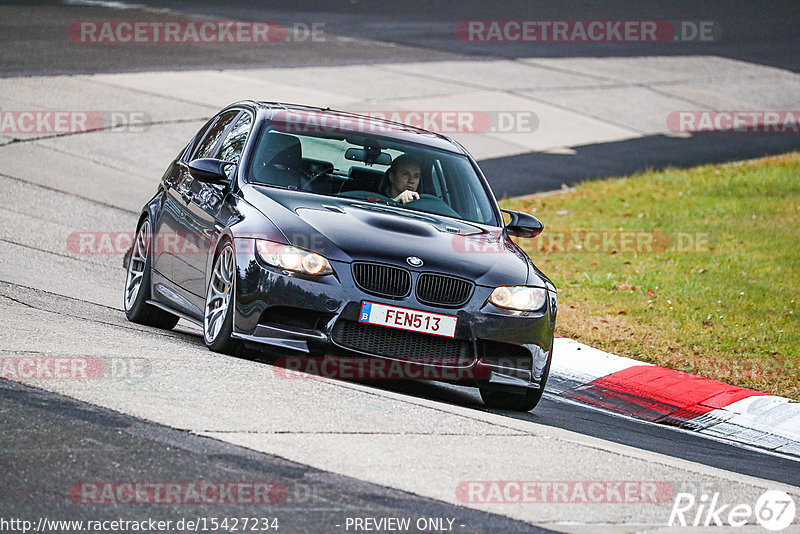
359, 154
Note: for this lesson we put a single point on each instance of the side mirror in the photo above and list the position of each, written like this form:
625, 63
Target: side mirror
209, 170
523, 224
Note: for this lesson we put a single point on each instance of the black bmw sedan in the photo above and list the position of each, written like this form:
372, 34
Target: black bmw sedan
325, 234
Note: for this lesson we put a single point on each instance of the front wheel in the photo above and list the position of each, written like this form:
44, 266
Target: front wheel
137, 284
524, 401
518, 402
218, 315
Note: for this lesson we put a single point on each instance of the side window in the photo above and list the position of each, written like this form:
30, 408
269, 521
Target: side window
195, 140
213, 135
232, 146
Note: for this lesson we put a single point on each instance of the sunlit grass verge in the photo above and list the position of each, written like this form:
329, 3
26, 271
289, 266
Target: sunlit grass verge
696, 270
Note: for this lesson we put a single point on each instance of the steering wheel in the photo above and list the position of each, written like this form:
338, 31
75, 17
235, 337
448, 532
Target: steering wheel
316, 176
422, 196
432, 204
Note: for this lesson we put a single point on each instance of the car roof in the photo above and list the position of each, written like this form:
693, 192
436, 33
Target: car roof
360, 124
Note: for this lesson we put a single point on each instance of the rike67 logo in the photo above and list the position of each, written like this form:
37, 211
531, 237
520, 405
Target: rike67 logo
774, 510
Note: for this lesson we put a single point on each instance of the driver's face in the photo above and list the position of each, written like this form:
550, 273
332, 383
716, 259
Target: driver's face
405, 178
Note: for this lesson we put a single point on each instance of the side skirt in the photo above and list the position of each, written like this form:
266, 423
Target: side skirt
174, 312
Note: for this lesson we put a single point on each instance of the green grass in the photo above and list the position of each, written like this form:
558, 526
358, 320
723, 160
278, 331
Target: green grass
715, 293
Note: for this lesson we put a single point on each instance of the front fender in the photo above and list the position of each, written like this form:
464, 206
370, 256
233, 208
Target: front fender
245, 225
152, 209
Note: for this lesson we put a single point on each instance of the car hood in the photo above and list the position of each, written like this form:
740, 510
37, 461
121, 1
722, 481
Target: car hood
352, 230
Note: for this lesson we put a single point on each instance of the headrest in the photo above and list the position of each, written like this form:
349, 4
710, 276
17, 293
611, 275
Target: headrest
281, 149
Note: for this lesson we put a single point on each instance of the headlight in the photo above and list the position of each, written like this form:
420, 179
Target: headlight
552, 289
292, 258
519, 297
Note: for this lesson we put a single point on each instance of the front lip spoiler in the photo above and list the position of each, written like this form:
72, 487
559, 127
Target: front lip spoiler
500, 382
287, 339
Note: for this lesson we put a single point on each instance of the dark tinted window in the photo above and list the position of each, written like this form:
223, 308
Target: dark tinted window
332, 161
213, 135
195, 140
232, 146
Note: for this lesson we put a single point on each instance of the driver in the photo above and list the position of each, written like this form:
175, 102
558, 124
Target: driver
403, 176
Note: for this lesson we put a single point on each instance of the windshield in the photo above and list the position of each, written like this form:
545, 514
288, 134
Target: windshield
371, 168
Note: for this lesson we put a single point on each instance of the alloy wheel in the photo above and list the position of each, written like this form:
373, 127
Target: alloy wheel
219, 293
137, 264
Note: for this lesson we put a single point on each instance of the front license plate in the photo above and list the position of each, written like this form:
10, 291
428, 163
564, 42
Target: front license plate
407, 319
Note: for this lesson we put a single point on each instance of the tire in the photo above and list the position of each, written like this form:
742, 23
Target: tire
137, 283
219, 307
524, 401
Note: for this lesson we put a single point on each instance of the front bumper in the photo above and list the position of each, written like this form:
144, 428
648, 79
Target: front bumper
316, 317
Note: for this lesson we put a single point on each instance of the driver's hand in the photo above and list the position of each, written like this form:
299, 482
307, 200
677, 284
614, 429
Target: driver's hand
407, 196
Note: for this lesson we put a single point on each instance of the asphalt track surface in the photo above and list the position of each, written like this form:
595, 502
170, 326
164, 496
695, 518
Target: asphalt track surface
50, 441
56, 441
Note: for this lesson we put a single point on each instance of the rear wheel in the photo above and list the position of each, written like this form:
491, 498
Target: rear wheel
137, 283
218, 314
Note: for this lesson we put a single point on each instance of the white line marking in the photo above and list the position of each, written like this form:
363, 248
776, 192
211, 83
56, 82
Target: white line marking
103, 3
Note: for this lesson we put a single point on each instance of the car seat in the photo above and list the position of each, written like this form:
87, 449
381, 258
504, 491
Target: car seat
279, 161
